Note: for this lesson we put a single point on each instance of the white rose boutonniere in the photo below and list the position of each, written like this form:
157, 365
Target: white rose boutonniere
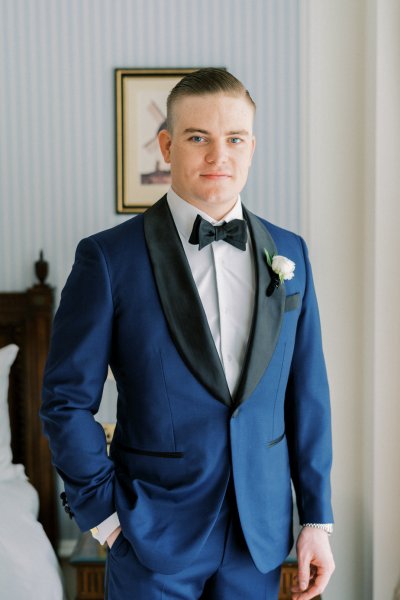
284, 267
281, 269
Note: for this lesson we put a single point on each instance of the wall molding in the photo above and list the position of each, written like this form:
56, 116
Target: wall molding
332, 219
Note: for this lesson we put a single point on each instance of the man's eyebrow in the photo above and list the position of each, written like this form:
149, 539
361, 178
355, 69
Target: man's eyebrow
196, 130
240, 132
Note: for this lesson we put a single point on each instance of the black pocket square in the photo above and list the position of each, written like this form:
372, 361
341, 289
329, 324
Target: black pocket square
292, 302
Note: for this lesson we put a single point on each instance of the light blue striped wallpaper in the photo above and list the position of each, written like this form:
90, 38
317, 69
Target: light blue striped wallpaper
57, 123
57, 112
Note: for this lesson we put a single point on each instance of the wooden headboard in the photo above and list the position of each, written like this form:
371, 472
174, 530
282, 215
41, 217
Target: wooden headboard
25, 320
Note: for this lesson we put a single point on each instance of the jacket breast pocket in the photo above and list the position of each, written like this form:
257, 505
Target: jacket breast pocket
292, 301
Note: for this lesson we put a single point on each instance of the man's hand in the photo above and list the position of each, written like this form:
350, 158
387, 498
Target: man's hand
113, 536
315, 561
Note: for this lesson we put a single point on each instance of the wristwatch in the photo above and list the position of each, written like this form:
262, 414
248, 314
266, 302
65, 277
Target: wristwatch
328, 527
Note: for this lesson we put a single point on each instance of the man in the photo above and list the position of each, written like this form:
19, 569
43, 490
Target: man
213, 336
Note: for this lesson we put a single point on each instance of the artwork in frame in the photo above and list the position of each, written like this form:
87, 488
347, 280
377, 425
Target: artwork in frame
142, 175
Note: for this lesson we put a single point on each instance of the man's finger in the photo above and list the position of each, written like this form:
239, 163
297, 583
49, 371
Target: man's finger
315, 588
303, 576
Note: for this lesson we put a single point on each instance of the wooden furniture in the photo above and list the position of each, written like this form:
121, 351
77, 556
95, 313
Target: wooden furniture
89, 560
25, 320
289, 572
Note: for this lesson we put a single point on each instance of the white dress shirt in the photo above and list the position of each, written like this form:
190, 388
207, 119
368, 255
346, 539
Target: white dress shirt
225, 279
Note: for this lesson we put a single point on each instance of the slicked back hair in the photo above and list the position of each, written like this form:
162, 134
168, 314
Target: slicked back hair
209, 80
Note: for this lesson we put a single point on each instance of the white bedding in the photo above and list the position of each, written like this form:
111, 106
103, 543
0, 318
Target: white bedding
28, 566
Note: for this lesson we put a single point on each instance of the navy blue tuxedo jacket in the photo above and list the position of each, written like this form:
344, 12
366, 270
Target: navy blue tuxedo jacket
131, 302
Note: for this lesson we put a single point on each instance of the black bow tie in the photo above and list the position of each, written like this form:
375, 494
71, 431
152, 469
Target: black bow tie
234, 233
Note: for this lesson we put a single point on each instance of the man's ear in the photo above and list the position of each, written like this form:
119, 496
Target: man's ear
165, 140
253, 143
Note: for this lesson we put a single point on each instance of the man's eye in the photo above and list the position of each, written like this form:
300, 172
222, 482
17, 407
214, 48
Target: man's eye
235, 140
197, 139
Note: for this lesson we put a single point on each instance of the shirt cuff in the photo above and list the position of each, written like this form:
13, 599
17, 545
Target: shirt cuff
105, 528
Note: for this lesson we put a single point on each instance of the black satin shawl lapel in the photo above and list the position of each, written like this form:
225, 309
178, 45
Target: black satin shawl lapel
180, 301
268, 312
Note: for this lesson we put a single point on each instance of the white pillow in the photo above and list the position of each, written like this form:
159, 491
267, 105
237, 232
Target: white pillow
7, 469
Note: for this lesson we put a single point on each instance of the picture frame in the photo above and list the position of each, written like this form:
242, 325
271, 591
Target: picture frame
142, 175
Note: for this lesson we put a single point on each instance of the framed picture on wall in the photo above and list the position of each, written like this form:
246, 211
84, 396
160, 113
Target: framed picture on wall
142, 175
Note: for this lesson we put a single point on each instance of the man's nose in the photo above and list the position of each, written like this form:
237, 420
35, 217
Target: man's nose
216, 153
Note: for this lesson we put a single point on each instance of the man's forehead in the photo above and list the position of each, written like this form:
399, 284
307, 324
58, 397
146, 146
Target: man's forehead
199, 113
208, 101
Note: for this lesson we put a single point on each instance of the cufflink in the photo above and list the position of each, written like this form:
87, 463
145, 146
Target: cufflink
94, 531
65, 504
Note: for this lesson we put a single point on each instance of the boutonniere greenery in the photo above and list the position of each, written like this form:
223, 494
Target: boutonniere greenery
281, 269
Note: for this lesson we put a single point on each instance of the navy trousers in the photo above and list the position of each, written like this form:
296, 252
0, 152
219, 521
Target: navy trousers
224, 570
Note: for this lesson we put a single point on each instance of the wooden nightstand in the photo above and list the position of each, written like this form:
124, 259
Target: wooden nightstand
89, 559
289, 571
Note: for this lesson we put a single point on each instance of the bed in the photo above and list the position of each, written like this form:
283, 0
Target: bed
29, 569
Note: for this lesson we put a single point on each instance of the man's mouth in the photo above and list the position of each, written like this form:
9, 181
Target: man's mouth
215, 176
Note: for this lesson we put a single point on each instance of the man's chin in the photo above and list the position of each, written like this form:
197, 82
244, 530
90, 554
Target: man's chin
216, 200
218, 196
215, 206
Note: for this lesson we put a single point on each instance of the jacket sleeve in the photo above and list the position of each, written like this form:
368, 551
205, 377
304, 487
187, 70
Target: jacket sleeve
307, 413
73, 384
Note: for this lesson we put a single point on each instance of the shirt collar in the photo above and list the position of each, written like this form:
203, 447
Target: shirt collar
184, 214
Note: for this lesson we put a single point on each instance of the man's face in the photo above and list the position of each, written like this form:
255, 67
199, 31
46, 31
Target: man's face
210, 150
